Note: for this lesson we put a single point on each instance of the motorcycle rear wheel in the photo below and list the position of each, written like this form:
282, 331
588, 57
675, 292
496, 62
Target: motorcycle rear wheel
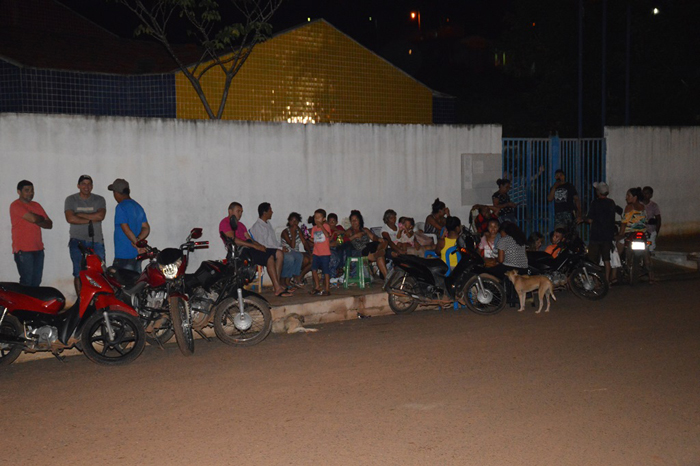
182, 324
634, 265
11, 327
403, 304
260, 326
599, 287
492, 303
129, 338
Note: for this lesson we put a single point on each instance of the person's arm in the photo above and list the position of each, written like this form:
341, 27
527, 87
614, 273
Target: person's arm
440, 245
577, 204
371, 235
550, 196
39, 220
287, 241
431, 221
84, 219
658, 224
501, 256
387, 238
143, 234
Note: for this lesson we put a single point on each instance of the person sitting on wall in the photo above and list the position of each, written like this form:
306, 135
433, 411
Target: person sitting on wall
259, 253
295, 243
389, 233
435, 222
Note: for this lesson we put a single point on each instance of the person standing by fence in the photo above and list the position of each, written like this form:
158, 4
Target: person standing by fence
567, 205
28, 218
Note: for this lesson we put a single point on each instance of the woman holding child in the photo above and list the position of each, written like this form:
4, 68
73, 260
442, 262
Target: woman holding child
295, 244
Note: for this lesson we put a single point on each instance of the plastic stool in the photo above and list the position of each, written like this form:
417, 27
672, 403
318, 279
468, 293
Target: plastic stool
359, 277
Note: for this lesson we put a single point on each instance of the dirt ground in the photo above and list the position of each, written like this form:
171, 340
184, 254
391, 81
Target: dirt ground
591, 383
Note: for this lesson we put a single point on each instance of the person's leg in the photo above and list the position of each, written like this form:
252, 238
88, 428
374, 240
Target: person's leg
287, 268
23, 269
326, 268
279, 261
99, 249
39, 267
272, 272
305, 266
76, 258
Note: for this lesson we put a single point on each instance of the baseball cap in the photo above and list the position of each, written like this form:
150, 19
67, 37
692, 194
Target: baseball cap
83, 178
601, 187
119, 186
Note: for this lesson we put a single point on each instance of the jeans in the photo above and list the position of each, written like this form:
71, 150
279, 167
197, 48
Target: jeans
291, 267
76, 256
129, 264
30, 265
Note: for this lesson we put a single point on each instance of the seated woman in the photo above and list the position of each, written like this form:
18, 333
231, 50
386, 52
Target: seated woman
435, 222
453, 227
511, 251
361, 242
337, 251
390, 233
295, 246
489, 241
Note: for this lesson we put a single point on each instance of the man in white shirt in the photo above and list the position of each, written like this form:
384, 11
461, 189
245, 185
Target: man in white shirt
263, 232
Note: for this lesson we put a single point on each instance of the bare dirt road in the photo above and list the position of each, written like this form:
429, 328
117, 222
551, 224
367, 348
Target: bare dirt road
609, 383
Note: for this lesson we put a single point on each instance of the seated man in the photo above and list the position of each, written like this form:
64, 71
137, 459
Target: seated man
260, 254
287, 265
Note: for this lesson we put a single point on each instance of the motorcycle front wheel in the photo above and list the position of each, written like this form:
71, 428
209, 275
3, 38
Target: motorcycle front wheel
161, 332
486, 301
588, 284
403, 304
12, 328
247, 329
182, 324
127, 344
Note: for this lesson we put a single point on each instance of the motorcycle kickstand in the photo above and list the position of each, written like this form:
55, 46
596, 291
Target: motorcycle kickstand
59, 357
201, 334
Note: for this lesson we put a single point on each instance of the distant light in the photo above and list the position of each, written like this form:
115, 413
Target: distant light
448, 20
308, 19
533, 24
370, 18
410, 51
413, 15
655, 11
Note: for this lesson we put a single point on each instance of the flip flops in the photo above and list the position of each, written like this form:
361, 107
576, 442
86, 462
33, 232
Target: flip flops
284, 294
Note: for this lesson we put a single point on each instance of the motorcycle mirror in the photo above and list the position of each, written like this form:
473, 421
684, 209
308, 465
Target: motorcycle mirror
233, 221
196, 233
142, 243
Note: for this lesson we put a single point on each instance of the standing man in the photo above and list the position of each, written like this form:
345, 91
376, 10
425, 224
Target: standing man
84, 212
653, 216
601, 216
567, 206
28, 218
130, 226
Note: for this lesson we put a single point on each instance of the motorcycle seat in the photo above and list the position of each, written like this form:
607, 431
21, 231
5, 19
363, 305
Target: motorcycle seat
429, 262
42, 293
125, 277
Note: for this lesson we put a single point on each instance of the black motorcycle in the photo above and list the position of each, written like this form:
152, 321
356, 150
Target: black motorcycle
571, 269
217, 298
418, 281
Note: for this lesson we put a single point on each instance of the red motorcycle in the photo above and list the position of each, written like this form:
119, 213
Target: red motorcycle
33, 319
158, 293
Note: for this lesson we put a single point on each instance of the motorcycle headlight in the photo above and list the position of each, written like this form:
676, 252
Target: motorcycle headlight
170, 270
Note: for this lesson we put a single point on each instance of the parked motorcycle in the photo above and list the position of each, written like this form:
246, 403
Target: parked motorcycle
634, 257
158, 293
418, 281
104, 328
217, 298
571, 269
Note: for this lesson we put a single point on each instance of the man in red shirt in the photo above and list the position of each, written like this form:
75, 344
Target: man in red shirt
28, 218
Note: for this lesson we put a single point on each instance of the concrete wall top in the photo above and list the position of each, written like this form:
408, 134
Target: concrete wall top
185, 173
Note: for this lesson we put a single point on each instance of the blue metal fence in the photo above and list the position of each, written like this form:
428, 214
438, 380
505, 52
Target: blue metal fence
530, 164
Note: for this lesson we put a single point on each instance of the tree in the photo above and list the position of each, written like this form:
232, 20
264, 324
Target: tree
224, 47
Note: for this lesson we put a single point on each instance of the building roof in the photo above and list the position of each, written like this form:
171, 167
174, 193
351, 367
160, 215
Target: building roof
46, 34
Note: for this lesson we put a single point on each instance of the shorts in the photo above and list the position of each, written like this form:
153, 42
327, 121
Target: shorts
598, 250
563, 220
323, 263
76, 256
371, 248
260, 257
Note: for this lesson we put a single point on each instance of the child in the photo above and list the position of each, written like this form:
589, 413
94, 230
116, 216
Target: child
534, 242
555, 248
453, 226
337, 251
407, 237
321, 236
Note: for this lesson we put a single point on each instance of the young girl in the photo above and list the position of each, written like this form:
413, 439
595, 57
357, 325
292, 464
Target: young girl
488, 245
321, 235
453, 225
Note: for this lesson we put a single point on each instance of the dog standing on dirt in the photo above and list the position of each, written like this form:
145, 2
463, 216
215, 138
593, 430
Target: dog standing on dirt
525, 284
292, 323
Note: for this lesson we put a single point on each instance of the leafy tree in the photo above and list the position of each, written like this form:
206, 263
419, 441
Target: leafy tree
223, 46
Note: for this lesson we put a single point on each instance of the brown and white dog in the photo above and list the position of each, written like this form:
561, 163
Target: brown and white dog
291, 323
524, 284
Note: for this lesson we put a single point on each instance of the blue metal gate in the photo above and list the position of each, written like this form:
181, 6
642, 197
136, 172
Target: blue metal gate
530, 164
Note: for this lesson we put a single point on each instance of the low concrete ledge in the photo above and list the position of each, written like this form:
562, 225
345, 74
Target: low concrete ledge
682, 259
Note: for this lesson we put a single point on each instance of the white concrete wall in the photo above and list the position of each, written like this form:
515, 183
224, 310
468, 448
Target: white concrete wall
185, 173
668, 160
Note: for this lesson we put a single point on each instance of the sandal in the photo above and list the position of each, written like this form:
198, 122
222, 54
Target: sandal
315, 292
284, 294
323, 293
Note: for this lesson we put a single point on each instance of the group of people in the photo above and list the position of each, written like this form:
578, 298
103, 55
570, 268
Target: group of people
84, 212
290, 256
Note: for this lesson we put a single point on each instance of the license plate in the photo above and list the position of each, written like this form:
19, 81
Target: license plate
638, 246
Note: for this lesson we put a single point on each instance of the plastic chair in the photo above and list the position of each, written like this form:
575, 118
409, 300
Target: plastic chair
359, 277
431, 254
257, 284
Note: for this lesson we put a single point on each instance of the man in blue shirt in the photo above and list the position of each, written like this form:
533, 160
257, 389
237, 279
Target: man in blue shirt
130, 226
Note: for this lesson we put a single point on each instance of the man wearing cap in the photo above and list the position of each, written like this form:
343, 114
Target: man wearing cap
84, 212
130, 226
601, 216
28, 218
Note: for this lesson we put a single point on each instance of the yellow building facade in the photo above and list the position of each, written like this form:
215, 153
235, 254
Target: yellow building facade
312, 74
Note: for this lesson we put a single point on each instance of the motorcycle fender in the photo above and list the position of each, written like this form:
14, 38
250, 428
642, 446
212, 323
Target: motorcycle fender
177, 294
104, 301
248, 294
592, 265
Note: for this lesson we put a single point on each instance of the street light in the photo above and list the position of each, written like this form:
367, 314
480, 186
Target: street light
416, 15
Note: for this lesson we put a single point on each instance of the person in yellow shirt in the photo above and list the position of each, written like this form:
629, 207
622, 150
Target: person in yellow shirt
453, 225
